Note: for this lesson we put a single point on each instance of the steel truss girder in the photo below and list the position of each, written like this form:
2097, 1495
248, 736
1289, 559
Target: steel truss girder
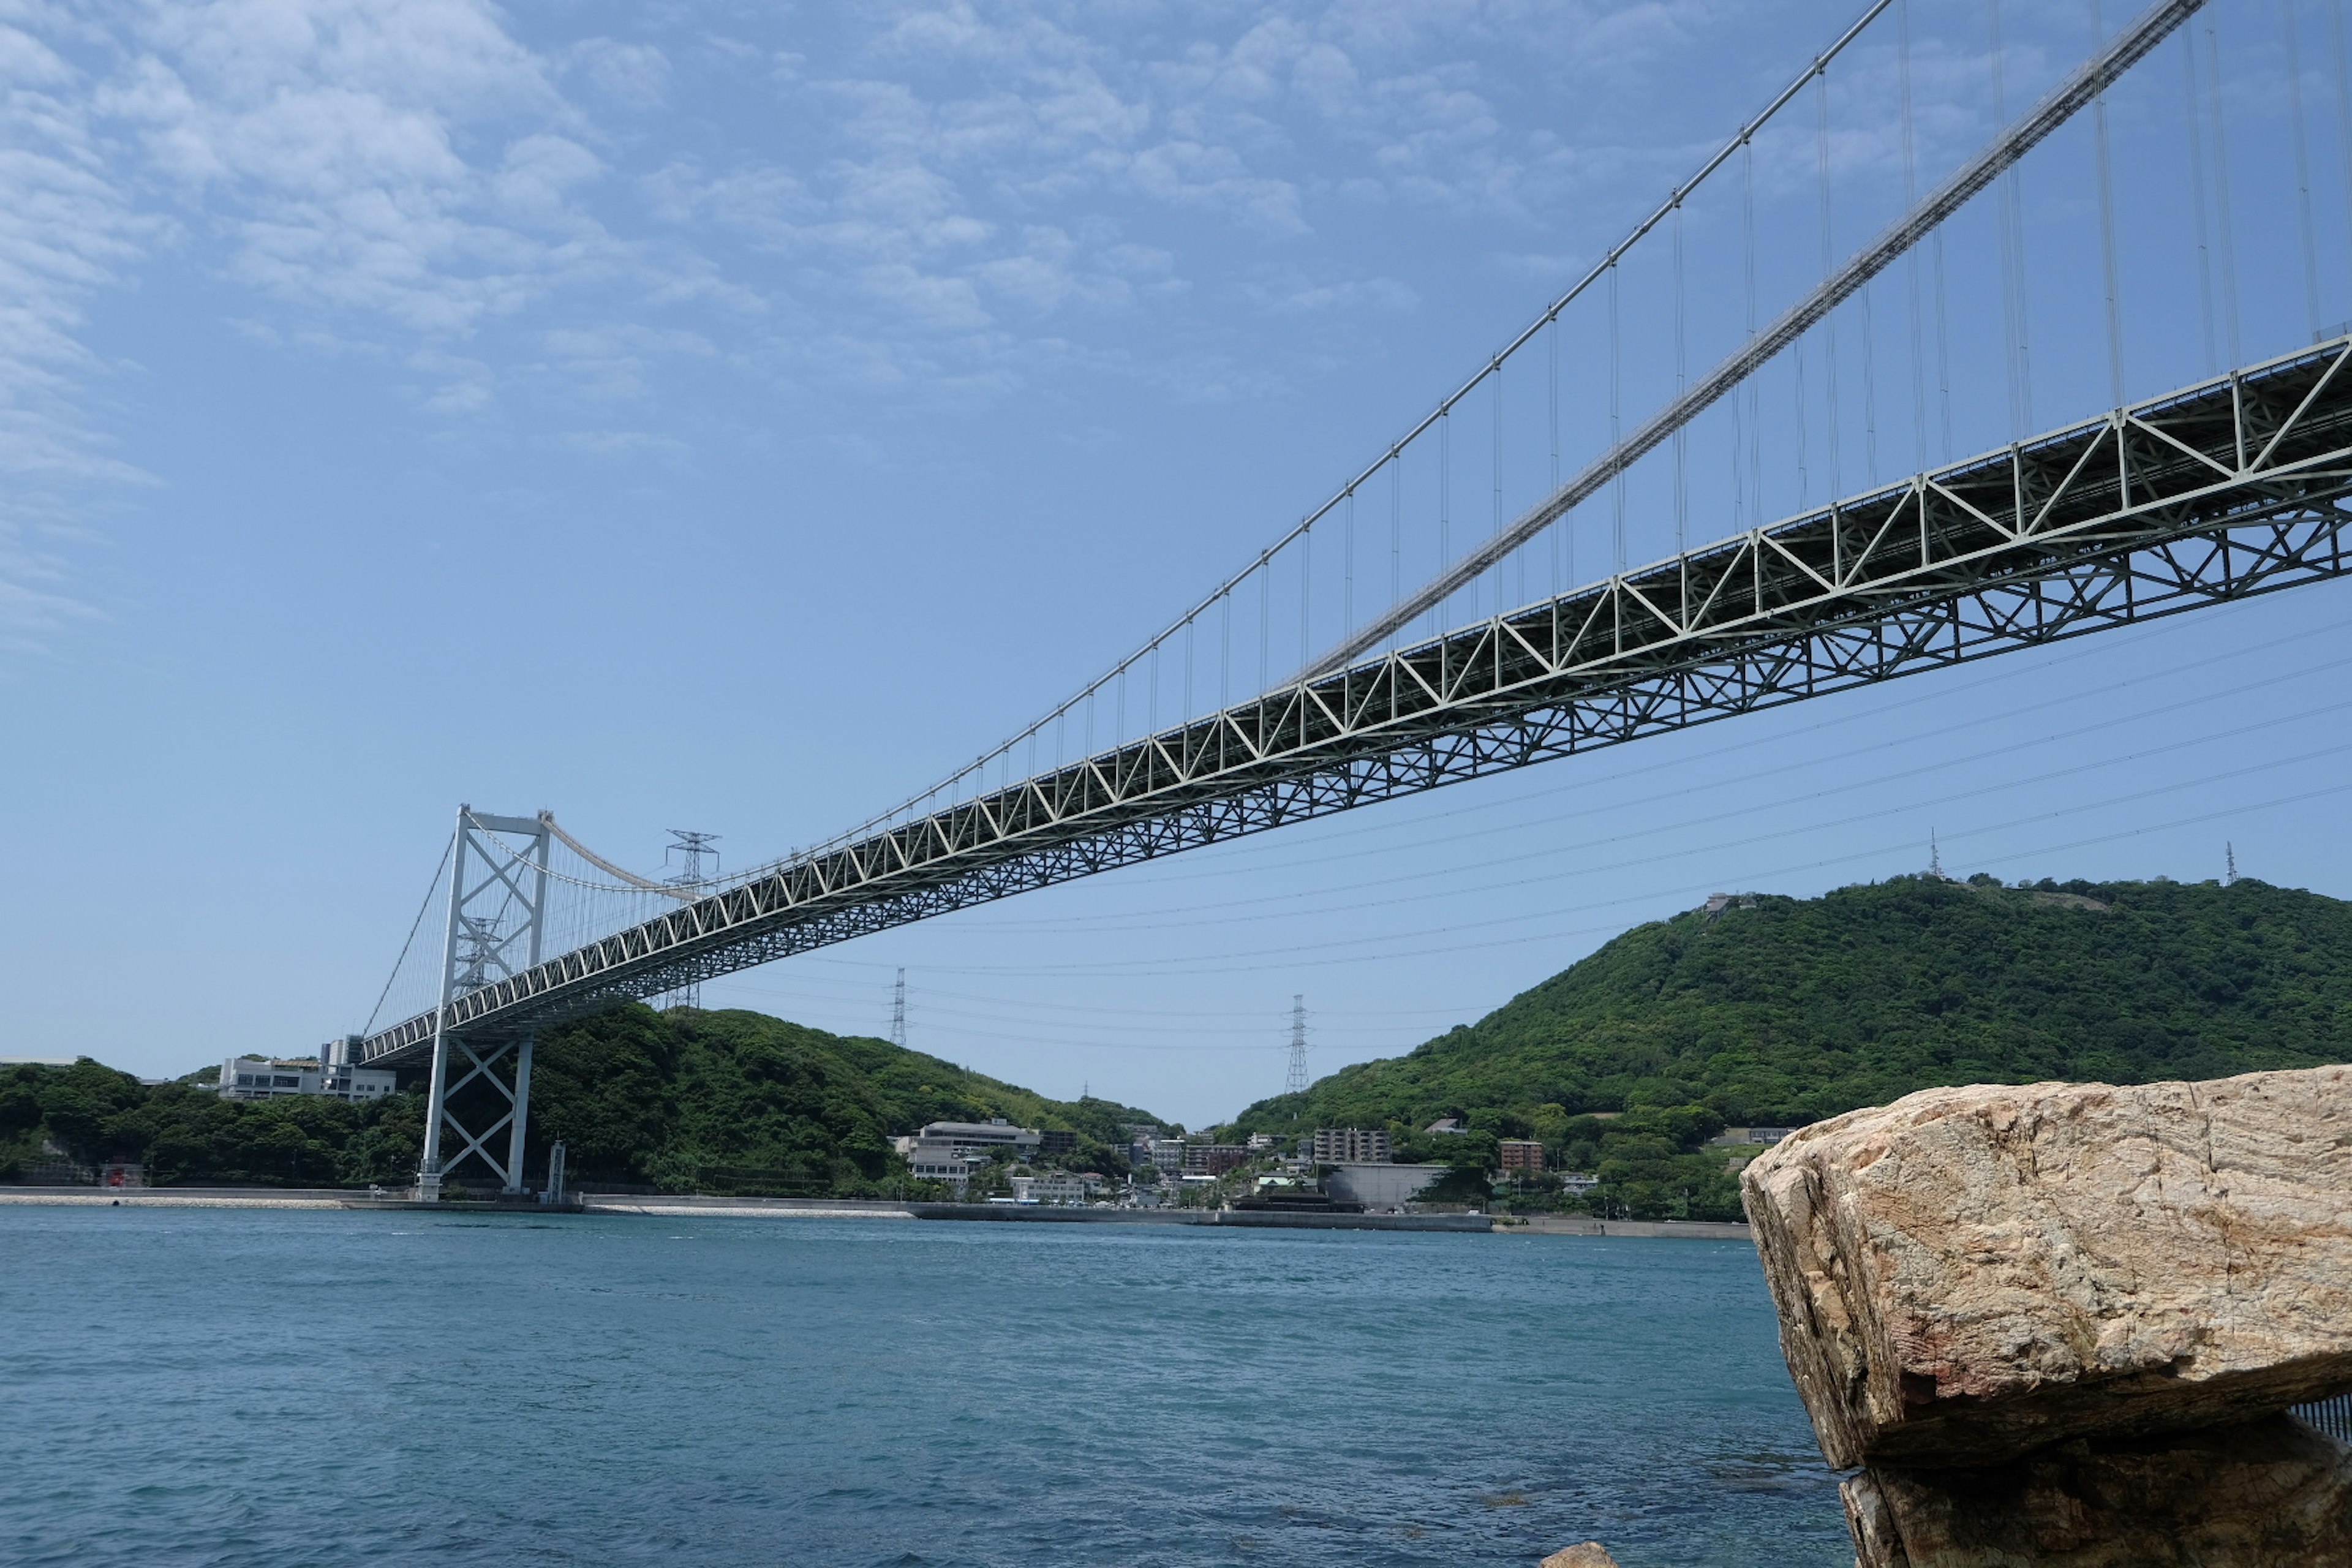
2224, 489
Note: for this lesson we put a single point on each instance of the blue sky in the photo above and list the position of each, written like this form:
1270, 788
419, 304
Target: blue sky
737, 416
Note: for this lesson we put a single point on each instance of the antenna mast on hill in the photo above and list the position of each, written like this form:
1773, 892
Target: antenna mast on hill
1934, 857
898, 1012
2229, 863
1295, 1082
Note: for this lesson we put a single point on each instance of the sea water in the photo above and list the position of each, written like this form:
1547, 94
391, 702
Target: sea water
234, 1388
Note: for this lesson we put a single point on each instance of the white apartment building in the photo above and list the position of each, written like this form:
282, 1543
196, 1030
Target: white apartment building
1055, 1187
268, 1077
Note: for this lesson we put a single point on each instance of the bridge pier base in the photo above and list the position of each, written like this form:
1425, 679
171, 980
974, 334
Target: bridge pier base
472, 1116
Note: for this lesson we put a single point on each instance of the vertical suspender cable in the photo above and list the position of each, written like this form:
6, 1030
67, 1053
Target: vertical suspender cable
1495, 466
1829, 265
1551, 367
1911, 257
1445, 515
2107, 231
1682, 473
1265, 625
2013, 248
2222, 191
1755, 406
2301, 167
1306, 591
2343, 108
1396, 529
1943, 343
2195, 121
1348, 565
1617, 522
1804, 467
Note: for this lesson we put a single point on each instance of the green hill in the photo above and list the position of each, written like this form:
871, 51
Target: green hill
1781, 1011
684, 1100
1797, 1009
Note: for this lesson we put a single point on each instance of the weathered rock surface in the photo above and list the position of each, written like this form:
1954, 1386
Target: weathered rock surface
1590, 1555
2269, 1494
1970, 1273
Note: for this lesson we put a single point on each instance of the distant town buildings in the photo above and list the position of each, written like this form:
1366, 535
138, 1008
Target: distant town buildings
1351, 1146
1523, 1156
268, 1077
1578, 1180
1260, 1142
1054, 1141
1446, 1124
1213, 1158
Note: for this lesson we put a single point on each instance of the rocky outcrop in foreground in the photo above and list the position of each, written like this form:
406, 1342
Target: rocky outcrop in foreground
2058, 1322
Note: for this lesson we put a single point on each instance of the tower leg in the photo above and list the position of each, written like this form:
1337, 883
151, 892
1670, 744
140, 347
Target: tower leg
522, 1116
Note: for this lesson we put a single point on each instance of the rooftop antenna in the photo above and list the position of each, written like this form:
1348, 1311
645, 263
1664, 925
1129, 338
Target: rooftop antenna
898, 1012
1295, 1082
1934, 857
689, 848
2229, 863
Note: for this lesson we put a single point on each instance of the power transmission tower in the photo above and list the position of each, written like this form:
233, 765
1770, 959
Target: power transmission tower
898, 1012
689, 848
1296, 1082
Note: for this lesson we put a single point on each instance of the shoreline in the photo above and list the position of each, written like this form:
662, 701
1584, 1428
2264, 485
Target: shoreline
685, 1206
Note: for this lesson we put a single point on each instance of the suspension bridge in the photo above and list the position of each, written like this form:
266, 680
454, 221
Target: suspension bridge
2216, 488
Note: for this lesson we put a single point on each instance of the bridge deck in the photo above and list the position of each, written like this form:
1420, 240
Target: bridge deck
2220, 491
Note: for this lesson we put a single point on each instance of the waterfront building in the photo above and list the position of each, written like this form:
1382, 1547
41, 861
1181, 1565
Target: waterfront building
1578, 1180
270, 1077
943, 1162
1522, 1156
1351, 1146
1213, 1158
1057, 1187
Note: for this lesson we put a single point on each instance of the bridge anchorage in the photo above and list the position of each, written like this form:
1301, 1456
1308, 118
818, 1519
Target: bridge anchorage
2234, 486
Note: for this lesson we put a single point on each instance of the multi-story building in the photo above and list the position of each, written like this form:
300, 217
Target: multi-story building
1523, 1156
1213, 1158
1055, 1187
1054, 1141
972, 1137
949, 1151
268, 1077
1578, 1180
1260, 1142
940, 1163
1351, 1146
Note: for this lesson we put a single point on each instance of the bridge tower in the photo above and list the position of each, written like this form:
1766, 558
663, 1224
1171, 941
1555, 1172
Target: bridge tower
498, 906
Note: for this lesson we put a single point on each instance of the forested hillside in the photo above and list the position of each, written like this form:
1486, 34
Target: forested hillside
685, 1101
1795, 1009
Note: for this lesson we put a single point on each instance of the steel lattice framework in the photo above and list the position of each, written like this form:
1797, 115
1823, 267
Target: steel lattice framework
2224, 489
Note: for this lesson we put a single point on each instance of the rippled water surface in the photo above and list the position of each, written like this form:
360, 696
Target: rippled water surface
286, 1388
